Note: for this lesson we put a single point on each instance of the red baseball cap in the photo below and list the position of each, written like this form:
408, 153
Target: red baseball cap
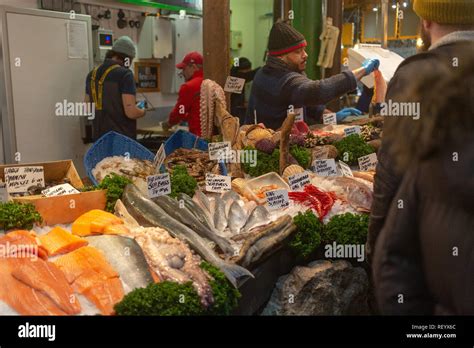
191, 58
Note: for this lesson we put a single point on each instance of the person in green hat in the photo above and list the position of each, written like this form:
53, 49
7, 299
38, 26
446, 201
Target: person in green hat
447, 31
111, 87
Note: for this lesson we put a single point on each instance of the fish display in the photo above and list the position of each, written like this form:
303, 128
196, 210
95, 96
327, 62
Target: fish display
201, 199
183, 215
149, 214
59, 241
126, 257
322, 202
89, 273
131, 168
201, 213
22, 243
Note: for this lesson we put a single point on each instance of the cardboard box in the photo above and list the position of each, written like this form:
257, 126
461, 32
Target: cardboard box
61, 209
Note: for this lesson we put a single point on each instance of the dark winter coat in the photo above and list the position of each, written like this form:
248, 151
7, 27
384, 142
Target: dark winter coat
422, 222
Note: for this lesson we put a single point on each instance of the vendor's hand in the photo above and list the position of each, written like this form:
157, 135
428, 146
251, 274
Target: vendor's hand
341, 115
370, 65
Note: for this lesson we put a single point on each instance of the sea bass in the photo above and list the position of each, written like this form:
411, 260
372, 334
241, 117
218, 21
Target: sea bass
126, 257
197, 211
220, 217
183, 215
148, 214
237, 217
258, 216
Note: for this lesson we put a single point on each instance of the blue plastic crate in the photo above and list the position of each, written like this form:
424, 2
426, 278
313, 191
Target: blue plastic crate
114, 144
186, 140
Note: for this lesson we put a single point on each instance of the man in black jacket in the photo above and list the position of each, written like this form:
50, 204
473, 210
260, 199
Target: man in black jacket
447, 31
415, 238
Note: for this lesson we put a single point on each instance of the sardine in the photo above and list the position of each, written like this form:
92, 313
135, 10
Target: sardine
183, 215
237, 218
259, 216
126, 257
220, 218
147, 213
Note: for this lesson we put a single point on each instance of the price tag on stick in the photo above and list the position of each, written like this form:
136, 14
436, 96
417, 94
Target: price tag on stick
18, 179
218, 183
329, 119
325, 167
59, 190
159, 158
345, 169
234, 85
277, 199
298, 181
368, 162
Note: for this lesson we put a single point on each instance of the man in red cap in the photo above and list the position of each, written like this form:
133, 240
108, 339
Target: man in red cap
188, 106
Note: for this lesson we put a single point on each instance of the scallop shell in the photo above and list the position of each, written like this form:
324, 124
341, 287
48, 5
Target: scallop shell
292, 170
238, 185
256, 135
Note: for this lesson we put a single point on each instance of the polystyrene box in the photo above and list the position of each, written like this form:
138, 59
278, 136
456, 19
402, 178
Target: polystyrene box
389, 61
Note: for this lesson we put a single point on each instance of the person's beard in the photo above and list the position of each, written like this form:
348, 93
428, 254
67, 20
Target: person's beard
426, 38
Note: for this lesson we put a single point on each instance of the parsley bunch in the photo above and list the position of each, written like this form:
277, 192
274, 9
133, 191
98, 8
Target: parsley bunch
182, 182
18, 216
347, 229
308, 234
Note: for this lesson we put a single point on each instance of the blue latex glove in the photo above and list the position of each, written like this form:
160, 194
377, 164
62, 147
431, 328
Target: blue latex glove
370, 65
141, 104
341, 115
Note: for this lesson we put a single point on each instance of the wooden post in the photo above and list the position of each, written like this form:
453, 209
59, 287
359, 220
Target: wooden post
216, 40
334, 10
281, 9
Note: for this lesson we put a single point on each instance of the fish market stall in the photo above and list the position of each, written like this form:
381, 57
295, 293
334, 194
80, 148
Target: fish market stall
217, 223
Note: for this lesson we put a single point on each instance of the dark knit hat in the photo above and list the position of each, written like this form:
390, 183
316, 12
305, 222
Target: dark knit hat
284, 39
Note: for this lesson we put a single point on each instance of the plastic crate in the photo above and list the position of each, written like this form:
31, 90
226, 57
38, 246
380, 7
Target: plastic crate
186, 140
114, 144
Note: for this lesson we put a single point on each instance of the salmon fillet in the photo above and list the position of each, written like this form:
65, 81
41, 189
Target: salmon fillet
91, 275
22, 243
46, 278
19, 296
59, 241
97, 222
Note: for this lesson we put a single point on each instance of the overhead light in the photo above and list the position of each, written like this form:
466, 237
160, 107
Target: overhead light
394, 6
375, 9
419, 42
405, 4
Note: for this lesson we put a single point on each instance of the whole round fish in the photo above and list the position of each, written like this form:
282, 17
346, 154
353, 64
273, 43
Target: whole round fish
237, 217
183, 215
149, 214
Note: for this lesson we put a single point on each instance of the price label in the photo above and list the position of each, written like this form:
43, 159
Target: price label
277, 199
298, 181
320, 152
219, 151
325, 167
345, 169
299, 114
59, 190
329, 118
3, 192
352, 130
18, 179
158, 185
218, 183
159, 158
368, 162
234, 85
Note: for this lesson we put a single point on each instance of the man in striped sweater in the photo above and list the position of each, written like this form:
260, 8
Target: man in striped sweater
282, 85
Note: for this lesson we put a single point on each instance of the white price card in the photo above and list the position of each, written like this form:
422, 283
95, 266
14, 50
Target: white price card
368, 162
352, 130
277, 199
219, 151
320, 152
18, 179
345, 169
234, 85
298, 181
218, 183
159, 158
3, 192
325, 167
158, 185
329, 118
59, 190
299, 114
